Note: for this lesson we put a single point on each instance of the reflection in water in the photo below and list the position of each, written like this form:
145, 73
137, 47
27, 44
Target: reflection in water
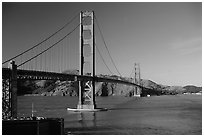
87, 119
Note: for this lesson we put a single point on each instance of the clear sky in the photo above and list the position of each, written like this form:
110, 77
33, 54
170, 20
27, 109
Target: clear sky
165, 38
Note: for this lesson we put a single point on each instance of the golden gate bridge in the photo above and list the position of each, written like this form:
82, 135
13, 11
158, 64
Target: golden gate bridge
48, 59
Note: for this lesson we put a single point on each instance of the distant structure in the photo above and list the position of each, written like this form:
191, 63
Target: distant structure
137, 80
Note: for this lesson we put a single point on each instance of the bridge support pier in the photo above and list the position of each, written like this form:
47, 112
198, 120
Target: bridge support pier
137, 92
86, 95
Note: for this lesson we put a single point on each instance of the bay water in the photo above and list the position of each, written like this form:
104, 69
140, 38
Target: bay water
180, 114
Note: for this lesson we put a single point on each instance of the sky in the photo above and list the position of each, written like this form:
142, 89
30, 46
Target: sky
164, 38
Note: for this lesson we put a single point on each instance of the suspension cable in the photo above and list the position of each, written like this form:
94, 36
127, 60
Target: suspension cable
41, 41
106, 46
131, 72
52, 45
49, 47
104, 60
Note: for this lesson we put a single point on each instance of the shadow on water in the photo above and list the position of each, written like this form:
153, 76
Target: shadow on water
85, 121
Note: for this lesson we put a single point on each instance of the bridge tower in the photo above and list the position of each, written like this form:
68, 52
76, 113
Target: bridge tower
87, 61
9, 92
137, 80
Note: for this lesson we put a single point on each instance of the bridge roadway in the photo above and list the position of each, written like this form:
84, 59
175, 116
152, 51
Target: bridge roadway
42, 75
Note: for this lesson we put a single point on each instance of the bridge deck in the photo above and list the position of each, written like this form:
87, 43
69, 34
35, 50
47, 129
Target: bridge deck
42, 75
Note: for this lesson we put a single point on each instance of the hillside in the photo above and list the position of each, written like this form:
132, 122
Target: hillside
192, 89
70, 88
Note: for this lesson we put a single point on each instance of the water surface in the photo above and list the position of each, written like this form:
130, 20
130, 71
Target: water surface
181, 114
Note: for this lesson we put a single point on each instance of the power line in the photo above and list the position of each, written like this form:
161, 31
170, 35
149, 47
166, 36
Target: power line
49, 47
104, 60
43, 40
106, 46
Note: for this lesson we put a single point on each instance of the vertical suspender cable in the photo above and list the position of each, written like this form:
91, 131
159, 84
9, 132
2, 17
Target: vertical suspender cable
104, 61
62, 56
43, 40
50, 46
106, 46
45, 59
41, 60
